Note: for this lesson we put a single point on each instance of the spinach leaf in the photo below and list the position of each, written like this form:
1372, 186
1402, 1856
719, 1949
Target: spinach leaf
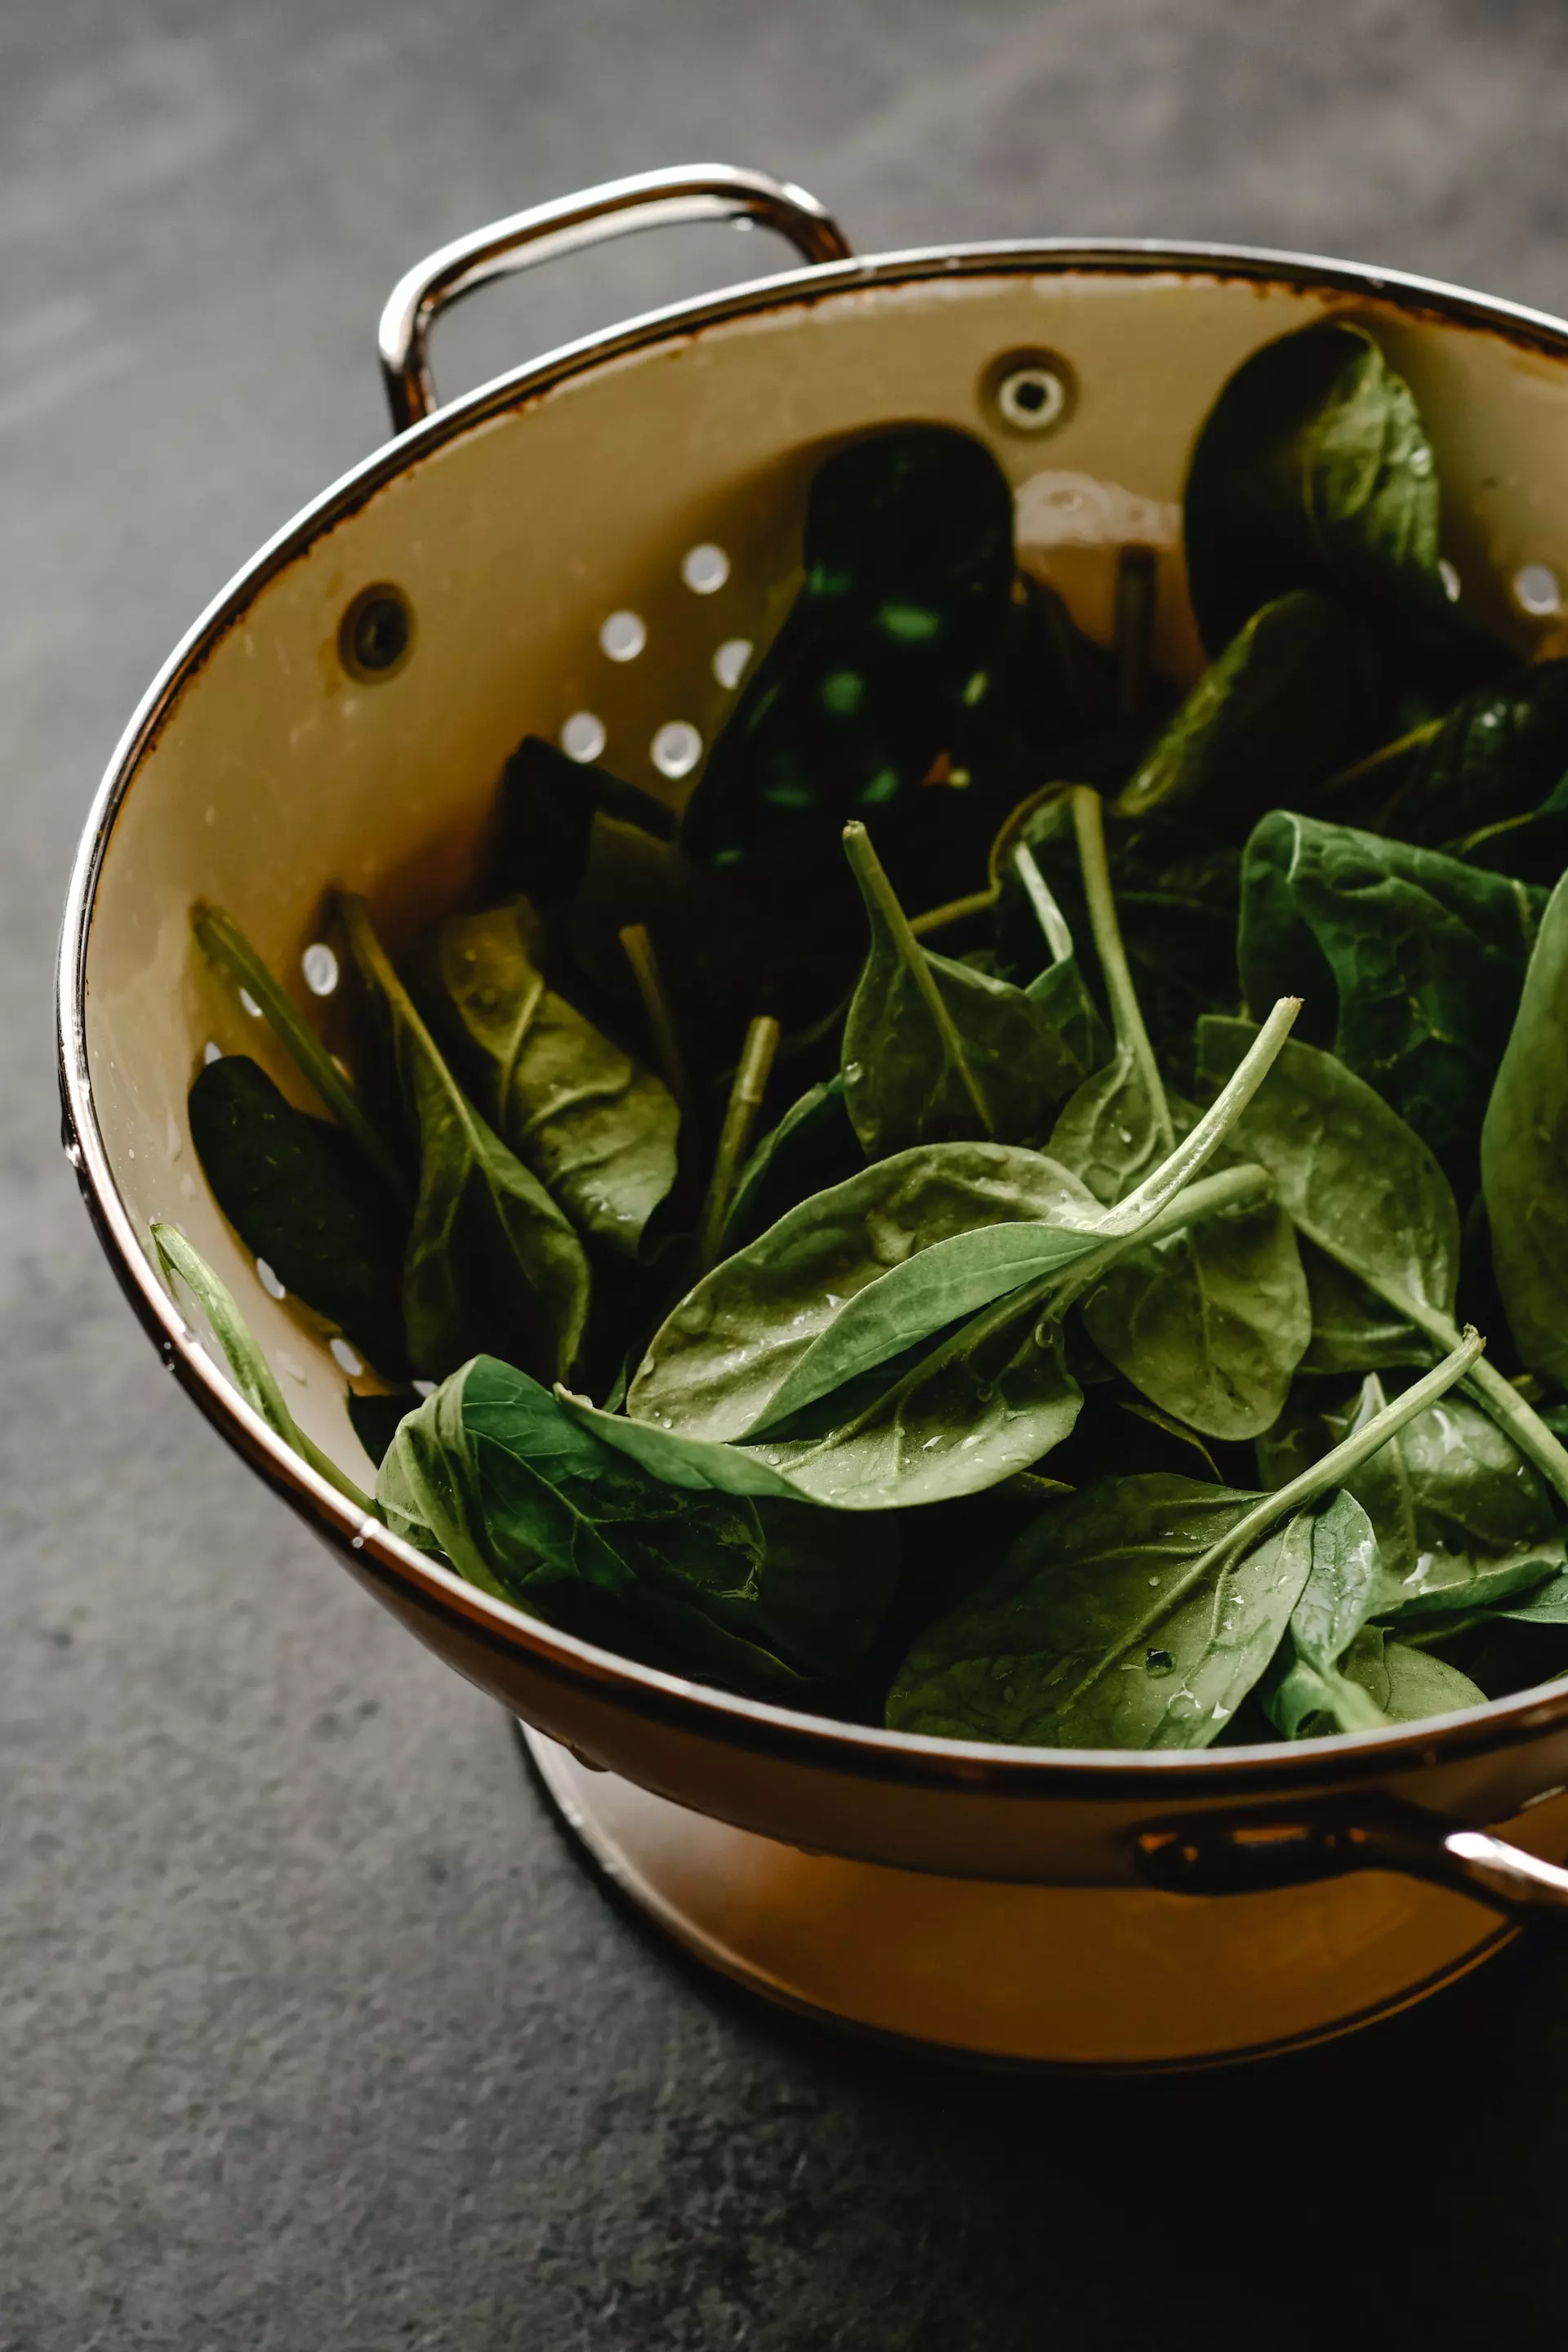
935, 1052
1077, 1643
1338, 1596
1354, 1178
1210, 1323
529, 1506
938, 1236
596, 1127
813, 1148
252, 1374
1420, 1684
1354, 1330
1462, 1520
1313, 471
225, 945
982, 1405
1410, 962
548, 803
1524, 1152
1281, 709
1498, 755
376, 1418
1136, 1614
302, 1197
1360, 1184
490, 1254
890, 659
719, 1359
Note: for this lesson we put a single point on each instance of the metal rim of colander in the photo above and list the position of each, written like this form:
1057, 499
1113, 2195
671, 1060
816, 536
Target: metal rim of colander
761, 1726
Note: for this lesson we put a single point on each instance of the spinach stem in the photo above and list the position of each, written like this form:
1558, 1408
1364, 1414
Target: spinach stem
746, 1092
1137, 592
880, 892
224, 944
1321, 1478
1042, 899
1384, 756
638, 947
1194, 1148
1496, 1395
1127, 1019
937, 919
252, 1373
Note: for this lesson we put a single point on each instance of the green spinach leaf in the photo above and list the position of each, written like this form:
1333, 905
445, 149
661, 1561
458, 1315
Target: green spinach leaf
528, 1505
1313, 471
718, 1363
597, 1129
1283, 708
891, 659
302, 1197
548, 803
1524, 1155
1136, 1614
1498, 755
1411, 964
490, 1255
252, 1374
935, 1052
813, 1149
1340, 1594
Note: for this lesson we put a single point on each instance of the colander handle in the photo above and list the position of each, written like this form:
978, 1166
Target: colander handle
694, 191
1245, 1853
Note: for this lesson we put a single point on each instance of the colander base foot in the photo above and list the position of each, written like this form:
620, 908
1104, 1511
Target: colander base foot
1107, 1978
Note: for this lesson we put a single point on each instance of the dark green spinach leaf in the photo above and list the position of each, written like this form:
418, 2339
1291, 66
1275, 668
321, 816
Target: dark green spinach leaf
1136, 1614
528, 1504
1338, 1596
1284, 707
253, 1375
1411, 965
302, 1197
813, 1148
597, 1129
1313, 471
935, 1052
891, 660
490, 1255
1525, 1156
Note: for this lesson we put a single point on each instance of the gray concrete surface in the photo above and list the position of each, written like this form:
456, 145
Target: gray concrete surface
313, 2038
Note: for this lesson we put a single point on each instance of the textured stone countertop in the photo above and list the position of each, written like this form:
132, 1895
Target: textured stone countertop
314, 2037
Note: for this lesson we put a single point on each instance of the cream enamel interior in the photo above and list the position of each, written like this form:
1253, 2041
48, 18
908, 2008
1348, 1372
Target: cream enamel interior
271, 777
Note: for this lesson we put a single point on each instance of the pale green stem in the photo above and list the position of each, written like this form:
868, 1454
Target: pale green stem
221, 940
1384, 756
746, 1093
874, 883
937, 919
1127, 1019
252, 1373
638, 947
1321, 1478
1496, 1395
1210, 1131
1048, 914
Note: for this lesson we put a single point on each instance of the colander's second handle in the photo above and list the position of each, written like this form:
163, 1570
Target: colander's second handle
1245, 1853
694, 191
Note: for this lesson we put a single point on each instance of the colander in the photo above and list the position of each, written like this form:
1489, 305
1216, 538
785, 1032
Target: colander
590, 547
